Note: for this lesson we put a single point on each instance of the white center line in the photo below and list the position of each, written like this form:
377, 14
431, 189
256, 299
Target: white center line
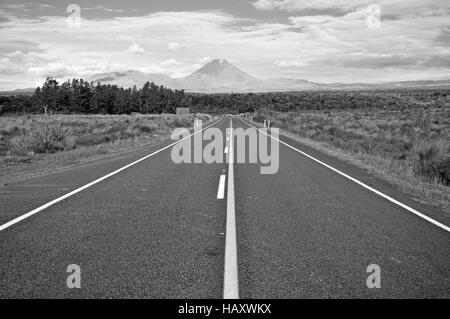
230, 281
53, 202
221, 189
412, 210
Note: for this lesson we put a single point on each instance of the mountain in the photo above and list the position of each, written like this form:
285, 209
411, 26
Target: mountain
219, 75
130, 78
223, 70
216, 76
287, 84
27, 91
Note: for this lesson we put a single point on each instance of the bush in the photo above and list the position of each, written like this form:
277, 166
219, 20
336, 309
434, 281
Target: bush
180, 121
94, 139
146, 129
24, 145
53, 137
430, 163
50, 138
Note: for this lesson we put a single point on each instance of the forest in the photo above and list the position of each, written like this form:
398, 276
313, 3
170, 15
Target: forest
77, 96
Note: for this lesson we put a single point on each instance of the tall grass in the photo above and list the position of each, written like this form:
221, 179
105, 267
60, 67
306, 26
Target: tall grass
416, 140
431, 161
30, 135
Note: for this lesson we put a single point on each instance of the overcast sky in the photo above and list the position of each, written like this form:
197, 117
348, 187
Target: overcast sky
318, 40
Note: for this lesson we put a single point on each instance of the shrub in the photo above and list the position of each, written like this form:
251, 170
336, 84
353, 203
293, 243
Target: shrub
53, 137
148, 128
10, 132
94, 139
71, 143
180, 121
430, 163
24, 145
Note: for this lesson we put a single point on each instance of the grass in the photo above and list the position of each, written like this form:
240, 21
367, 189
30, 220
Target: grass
37, 143
409, 148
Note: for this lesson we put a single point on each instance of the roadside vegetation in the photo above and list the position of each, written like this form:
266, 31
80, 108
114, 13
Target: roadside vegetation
410, 147
61, 140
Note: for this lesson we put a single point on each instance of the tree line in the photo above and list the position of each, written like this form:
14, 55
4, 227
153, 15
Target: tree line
394, 99
79, 96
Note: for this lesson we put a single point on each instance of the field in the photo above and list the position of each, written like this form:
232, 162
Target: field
30, 144
410, 147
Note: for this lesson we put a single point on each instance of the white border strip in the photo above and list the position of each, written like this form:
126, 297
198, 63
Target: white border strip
230, 277
221, 189
53, 202
412, 210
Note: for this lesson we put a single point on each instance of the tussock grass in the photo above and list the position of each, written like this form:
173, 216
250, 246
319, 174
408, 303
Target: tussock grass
65, 139
410, 148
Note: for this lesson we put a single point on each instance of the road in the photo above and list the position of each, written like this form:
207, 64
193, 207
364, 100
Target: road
158, 230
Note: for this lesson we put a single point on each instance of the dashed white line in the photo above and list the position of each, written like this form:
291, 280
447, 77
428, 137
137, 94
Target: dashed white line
230, 281
412, 210
221, 188
53, 202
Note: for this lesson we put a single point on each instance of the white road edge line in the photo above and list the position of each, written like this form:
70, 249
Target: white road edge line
230, 277
412, 210
221, 189
53, 202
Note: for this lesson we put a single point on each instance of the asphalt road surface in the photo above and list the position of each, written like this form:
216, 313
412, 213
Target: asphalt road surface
161, 230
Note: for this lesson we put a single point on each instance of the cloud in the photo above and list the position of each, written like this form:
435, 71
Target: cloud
443, 38
298, 5
265, 5
174, 46
26, 5
9, 67
438, 61
289, 63
103, 8
380, 62
136, 48
171, 62
397, 7
320, 47
56, 70
205, 59
14, 44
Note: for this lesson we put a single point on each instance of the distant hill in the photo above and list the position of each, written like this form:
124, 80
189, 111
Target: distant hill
220, 76
215, 76
130, 78
27, 91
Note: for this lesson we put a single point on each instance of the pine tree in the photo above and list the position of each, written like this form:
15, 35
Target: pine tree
50, 91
